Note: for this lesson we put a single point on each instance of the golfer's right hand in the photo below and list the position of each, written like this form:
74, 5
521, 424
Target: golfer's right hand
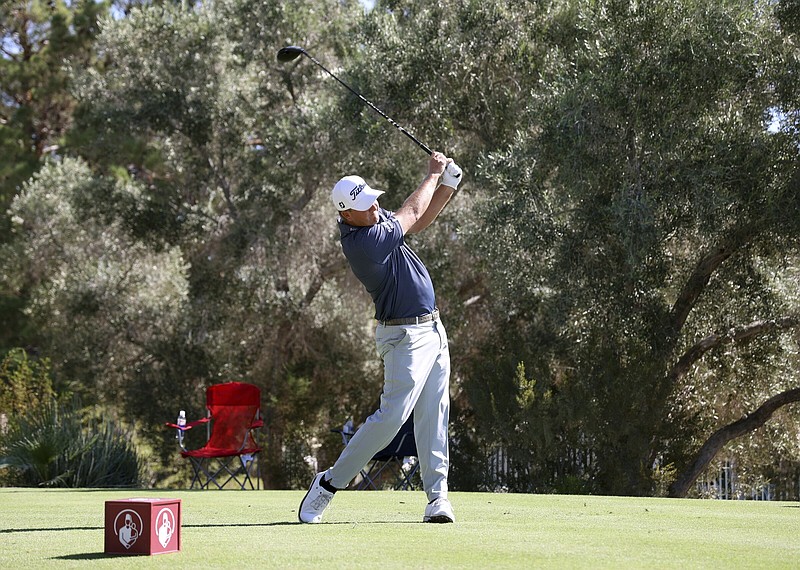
437, 164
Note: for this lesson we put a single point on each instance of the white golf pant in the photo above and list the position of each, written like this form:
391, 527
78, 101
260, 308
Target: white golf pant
416, 362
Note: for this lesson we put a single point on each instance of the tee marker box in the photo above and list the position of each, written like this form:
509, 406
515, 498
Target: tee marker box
143, 526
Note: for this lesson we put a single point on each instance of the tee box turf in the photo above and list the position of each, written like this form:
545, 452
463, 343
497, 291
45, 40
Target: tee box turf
143, 526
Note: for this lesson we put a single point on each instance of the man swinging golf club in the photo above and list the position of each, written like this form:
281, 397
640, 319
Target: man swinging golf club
410, 337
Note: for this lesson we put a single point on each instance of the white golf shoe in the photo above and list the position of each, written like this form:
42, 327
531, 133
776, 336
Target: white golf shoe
315, 502
439, 511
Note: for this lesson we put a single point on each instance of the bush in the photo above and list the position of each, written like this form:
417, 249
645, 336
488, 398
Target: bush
24, 382
53, 446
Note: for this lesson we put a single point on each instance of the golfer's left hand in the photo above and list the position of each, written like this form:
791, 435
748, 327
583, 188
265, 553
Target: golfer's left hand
451, 175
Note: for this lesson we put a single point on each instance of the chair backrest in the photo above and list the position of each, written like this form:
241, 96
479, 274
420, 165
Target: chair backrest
403, 444
233, 408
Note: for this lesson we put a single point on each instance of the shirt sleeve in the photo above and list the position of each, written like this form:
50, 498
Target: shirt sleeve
382, 239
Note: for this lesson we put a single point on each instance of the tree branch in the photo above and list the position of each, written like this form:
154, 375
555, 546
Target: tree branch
696, 284
310, 185
224, 184
705, 268
734, 335
337, 265
723, 435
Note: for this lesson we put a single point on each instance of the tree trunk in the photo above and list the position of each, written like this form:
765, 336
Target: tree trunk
723, 435
272, 466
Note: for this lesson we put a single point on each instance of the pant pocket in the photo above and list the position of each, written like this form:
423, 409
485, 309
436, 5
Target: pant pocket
443, 343
388, 338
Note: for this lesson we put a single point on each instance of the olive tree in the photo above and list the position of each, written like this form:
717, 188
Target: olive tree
633, 233
192, 242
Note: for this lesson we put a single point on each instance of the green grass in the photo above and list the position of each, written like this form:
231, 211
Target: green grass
248, 529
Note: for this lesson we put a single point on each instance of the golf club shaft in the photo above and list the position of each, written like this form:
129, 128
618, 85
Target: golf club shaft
422, 145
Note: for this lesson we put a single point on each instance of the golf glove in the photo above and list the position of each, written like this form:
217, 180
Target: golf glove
451, 175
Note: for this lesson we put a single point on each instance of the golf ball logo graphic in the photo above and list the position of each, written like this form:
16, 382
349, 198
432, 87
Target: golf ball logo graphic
128, 527
166, 526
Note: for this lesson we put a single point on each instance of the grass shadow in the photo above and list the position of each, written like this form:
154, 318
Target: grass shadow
13, 530
208, 525
89, 556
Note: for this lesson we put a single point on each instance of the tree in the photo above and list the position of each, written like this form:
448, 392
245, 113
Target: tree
617, 274
719, 438
199, 185
645, 205
40, 40
103, 299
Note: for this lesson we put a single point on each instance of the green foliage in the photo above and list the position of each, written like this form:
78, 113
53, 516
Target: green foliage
55, 446
25, 382
645, 149
182, 235
205, 171
95, 285
39, 38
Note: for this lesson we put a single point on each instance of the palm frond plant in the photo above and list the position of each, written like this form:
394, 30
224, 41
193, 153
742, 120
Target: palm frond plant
54, 446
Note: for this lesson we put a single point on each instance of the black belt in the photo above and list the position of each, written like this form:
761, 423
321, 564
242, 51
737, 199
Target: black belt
412, 320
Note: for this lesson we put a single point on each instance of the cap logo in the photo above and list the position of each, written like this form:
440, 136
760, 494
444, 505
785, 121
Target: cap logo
356, 191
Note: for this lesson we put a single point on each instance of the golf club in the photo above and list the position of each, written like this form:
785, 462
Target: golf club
290, 53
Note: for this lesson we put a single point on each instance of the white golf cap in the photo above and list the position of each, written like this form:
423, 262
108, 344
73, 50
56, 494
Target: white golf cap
353, 193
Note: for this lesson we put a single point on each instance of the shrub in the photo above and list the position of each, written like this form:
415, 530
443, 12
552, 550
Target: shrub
53, 446
24, 382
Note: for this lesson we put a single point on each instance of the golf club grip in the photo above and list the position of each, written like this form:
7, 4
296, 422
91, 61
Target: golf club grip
421, 145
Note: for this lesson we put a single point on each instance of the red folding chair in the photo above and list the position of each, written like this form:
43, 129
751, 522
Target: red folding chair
234, 413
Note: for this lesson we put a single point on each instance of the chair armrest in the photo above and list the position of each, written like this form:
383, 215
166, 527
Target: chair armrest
346, 435
197, 422
189, 425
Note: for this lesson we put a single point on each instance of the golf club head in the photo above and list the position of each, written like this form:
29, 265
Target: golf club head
290, 53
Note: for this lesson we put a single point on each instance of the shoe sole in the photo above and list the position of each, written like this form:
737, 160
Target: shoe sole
437, 519
300, 508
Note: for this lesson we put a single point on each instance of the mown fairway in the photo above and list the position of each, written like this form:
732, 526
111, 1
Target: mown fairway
230, 529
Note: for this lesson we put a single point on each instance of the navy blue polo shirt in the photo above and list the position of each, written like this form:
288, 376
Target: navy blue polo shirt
390, 271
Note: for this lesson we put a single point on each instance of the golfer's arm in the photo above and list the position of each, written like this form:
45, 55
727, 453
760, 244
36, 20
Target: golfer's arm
441, 197
417, 204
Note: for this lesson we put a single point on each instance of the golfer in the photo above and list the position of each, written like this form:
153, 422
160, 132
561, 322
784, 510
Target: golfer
410, 337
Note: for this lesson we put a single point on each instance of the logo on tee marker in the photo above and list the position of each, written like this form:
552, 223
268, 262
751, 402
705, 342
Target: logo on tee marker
356, 191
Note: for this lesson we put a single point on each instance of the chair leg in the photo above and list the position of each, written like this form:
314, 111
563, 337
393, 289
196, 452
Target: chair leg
257, 462
202, 469
205, 473
394, 466
406, 484
368, 478
247, 462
